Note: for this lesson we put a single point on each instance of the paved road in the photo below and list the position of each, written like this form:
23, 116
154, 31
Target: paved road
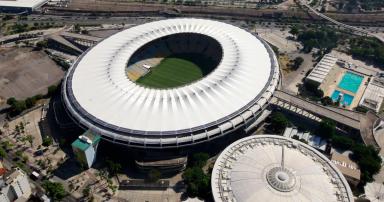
352, 28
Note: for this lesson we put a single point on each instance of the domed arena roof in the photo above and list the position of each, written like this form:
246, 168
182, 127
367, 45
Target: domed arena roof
276, 168
102, 96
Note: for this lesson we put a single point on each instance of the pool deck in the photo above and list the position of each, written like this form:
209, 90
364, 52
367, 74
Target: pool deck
331, 83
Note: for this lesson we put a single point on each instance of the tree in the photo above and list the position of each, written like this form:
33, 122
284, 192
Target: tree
47, 141
297, 62
278, 122
342, 142
84, 31
153, 175
55, 190
199, 159
368, 160
25, 158
18, 107
3, 153
30, 139
296, 137
51, 90
87, 191
11, 101
41, 44
294, 30
113, 167
7, 145
30, 102
327, 128
198, 183
77, 28
326, 101
313, 88
303, 141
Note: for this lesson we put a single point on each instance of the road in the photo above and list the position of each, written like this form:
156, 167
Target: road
352, 28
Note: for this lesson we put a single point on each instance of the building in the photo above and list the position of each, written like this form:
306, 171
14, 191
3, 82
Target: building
85, 148
322, 69
312, 140
374, 191
276, 168
373, 96
100, 91
349, 168
21, 6
15, 187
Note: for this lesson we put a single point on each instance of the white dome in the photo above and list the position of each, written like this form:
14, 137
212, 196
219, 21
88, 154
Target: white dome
276, 168
100, 96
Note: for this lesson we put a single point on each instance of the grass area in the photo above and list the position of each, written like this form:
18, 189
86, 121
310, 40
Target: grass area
177, 70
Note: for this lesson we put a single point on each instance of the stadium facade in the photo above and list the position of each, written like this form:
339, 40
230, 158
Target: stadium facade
276, 168
100, 94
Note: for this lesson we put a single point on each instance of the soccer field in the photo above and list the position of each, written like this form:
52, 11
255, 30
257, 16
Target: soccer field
176, 71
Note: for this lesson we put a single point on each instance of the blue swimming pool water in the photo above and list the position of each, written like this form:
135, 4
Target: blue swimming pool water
351, 82
345, 99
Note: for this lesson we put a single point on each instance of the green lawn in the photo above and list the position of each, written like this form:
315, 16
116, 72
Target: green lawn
177, 70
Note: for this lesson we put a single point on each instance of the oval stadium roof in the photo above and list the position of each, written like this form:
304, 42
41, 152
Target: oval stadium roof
99, 95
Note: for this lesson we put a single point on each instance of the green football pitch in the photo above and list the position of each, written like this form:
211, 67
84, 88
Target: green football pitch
177, 70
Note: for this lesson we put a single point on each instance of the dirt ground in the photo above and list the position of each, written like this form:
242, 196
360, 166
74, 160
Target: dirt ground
25, 73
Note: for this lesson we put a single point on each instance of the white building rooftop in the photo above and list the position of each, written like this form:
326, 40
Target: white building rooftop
373, 95
22, 3
322, 68
276, 168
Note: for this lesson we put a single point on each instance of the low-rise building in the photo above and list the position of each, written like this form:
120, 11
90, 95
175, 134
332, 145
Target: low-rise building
85, 148
14, 186
21, 6
348, 168
373, 95
322, 69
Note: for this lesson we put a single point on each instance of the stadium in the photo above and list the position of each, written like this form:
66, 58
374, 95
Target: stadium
171, 83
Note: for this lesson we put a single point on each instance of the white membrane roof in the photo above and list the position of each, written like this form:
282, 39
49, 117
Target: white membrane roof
258, 168
22, 3
322, 68
101, 89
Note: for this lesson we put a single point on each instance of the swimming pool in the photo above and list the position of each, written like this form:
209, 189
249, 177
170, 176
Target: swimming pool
345, 98
351, 82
